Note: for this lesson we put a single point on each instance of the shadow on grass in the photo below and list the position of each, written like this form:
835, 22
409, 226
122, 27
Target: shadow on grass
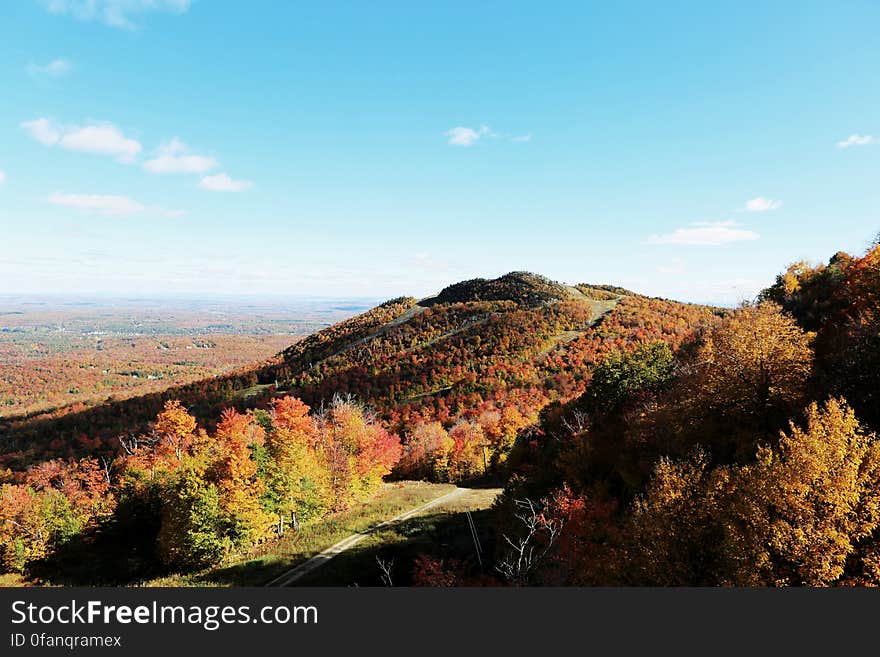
443, 535
484, 482
75, 563
255, 572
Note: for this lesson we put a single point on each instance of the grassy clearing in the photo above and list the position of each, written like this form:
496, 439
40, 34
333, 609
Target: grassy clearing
598, 310
442, 531
253, 391
271, 559
602, 307
12, 579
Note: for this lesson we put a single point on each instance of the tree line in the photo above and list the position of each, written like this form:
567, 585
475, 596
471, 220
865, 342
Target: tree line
749, 455
183, 498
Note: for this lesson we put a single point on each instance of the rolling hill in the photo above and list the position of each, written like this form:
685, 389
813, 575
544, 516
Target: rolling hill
645, 441
518, 341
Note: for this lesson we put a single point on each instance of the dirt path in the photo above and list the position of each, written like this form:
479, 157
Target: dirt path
599, 310
285, 579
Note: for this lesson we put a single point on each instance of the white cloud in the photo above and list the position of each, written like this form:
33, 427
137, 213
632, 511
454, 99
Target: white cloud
98, 138
856, 140
223, 183
2, 176
106, 205
706, 233
461, 136
115, 13
54, 69
110, 205
43, 130
761, 204
103, 139
176, 157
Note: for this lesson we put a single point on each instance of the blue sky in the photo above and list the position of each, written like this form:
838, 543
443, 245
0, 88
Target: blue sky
686, 149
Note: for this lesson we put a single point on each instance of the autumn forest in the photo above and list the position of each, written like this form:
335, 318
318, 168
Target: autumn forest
635, 440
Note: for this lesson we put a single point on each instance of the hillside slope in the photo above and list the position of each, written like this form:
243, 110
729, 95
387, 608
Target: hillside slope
519, 341
749, 457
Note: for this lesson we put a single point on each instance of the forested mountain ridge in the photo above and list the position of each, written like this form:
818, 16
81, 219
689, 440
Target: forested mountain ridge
518, 340
642, 441
750, 456
439, 389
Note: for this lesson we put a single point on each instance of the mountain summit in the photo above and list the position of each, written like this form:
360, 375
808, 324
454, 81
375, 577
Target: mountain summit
521, 287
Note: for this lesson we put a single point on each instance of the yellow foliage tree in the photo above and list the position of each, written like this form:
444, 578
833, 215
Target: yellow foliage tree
821, 489
235, 473
806, 512
299, 477
176, 426
32, 522
748, 377
467, 458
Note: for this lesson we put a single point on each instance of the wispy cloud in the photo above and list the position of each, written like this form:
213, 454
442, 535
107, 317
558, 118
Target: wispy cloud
110, 205
43, 130
706, 233
102, 139
55, 69
761, 204
223, 183
176, 157
97, 138
462, 136
115, 13
2, 176
101, 204
856, 140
